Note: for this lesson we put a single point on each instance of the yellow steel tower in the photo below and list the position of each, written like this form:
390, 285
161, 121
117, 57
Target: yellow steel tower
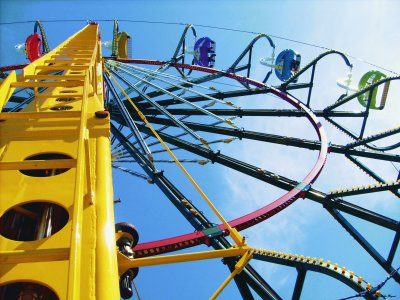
56, 201
57, 231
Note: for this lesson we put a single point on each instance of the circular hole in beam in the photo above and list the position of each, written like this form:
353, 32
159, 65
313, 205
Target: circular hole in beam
65, 99
68, 91
61, 108
46, 172
26, 290
32, 221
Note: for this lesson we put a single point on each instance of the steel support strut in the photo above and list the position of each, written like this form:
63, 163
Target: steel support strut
197, 220
287, 184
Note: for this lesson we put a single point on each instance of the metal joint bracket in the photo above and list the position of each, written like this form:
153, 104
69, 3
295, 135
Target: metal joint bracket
215, 154
213, 232
304, 188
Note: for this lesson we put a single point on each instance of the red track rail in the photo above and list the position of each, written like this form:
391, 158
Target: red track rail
246, 221
12, 67
265, 212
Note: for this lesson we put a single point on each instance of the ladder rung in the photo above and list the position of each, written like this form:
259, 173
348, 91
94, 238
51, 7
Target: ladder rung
84, 43
63, 95
60, 132
67, 50
71, 55
79, 47
36, 255
38, 164
40, 115
55, 77
47, 84
68, 61
62, 67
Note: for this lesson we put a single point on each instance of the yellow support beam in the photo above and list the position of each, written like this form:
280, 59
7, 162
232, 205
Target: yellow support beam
246, 253
62, 67
56, 77
40, 115
68, 61
240, 265
76, 259
46, 84
38, 164
6, 90
124, 263
82, 249
25, 256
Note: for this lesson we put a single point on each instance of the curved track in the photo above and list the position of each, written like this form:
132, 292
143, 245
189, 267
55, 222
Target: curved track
199, 237
168, 116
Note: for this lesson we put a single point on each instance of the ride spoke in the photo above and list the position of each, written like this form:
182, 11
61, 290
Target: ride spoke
163, 110
129, 121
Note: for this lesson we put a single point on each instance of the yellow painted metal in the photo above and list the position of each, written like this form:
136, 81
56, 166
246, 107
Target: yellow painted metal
55, 77
46, 84
69, 55
26, 256
39, 115
246, 253
62, 67
68, 61
5, 88
122, 41
240, 265
105, 243
38, 164
124, 263
79, 261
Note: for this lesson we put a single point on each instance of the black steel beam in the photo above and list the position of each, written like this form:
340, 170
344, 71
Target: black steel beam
370, 172
359, 212
364, 243
393, 249
298, 287
310, 267
368, 88
199, 98
313, 63
217, 95
287, 184
17, 99
278, 181
230, 162
257, 112
168, 189
199, 221
259, 285
278, 139
239, 279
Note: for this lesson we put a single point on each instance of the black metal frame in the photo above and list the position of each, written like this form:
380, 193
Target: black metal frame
248, 280
331, 202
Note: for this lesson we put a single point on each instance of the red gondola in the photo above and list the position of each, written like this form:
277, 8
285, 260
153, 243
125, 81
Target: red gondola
32, 45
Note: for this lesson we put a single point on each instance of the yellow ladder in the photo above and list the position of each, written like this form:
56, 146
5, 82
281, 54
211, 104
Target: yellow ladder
56, 199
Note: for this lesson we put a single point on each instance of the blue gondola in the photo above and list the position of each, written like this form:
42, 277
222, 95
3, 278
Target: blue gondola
204, 52
287, 63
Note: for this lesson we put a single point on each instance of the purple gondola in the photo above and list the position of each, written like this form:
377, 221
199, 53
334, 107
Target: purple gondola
204, 52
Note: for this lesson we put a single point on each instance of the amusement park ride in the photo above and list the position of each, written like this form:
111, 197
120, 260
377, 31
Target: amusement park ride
72, 115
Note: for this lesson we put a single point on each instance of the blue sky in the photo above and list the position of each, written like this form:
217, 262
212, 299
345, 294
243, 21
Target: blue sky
364, 29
